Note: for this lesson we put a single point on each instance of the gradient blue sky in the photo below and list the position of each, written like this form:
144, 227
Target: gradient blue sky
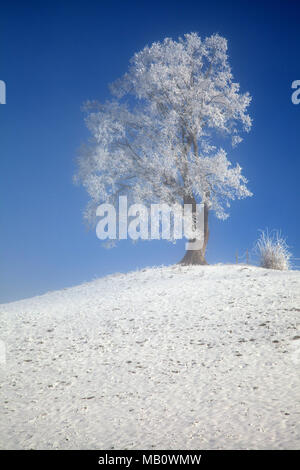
55, 55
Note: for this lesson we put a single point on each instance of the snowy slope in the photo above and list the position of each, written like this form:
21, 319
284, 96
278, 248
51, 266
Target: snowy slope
164, 358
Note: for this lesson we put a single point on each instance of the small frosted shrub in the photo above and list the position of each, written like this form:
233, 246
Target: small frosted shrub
273, 251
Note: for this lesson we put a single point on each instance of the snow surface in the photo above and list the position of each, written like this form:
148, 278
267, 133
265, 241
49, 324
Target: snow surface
175, 357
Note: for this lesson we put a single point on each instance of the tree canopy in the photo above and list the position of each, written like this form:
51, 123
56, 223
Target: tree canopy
157, 139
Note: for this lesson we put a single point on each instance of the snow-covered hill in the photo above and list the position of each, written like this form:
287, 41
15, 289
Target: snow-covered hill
164, 358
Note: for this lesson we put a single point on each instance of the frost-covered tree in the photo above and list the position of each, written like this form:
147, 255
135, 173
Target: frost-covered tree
158, 139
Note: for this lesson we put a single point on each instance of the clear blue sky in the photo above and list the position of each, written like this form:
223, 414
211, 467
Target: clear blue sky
55, 55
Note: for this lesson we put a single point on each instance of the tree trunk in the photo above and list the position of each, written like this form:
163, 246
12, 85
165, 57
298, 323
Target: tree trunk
196, 256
